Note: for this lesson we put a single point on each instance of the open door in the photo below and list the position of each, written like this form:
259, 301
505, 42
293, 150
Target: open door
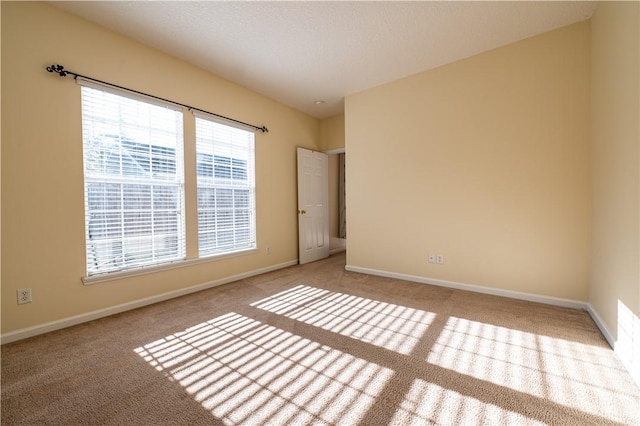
313, 209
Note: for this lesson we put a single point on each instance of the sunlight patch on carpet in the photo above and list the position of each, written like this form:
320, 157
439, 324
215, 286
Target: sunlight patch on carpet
572, 374
394, 327
245, 371
428, 403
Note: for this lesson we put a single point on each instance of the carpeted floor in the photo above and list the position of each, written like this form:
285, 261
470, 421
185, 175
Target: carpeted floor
314, 344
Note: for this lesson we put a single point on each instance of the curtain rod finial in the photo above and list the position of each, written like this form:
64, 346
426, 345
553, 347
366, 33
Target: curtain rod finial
59, 69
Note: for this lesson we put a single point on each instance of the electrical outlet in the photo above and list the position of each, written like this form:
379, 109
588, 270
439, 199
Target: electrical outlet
24, 295
268, 250
432, 258
439, 259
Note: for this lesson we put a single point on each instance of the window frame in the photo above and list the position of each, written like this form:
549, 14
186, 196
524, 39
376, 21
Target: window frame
191, 243
234, 182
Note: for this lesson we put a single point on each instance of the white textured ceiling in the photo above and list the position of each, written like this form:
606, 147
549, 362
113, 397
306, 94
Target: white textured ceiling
300, 52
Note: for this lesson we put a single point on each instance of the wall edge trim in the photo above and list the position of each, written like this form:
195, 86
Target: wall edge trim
634, 373
548, 300
601, 325
47, 327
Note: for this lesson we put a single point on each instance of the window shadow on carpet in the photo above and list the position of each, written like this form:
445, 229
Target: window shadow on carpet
310, 355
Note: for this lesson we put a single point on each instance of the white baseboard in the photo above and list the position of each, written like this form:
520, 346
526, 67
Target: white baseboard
567, 303
634, 370
337, 245
600, 323
90, 316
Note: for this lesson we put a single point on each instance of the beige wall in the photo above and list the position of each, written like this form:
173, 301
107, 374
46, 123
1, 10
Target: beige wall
332, 133
615, 135
42, 183
485, 161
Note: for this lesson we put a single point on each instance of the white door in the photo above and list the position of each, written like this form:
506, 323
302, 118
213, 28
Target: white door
313, 209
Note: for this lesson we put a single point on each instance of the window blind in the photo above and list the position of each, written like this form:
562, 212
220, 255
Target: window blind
226, 187
134, 181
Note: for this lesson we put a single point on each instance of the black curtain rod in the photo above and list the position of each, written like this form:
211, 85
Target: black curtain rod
59, 69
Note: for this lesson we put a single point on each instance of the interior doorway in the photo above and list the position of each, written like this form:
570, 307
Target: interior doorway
337, 200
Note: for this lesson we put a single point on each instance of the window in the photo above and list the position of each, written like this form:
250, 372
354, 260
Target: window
226, 187
135, 189
134, 181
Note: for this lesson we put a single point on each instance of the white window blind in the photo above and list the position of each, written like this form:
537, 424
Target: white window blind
134, 182
226, 187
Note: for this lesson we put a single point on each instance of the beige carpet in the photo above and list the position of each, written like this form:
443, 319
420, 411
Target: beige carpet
314, 344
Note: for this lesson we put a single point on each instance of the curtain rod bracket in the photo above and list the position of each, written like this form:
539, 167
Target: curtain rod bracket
59, 69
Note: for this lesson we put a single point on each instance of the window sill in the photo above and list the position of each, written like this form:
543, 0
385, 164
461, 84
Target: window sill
113, 276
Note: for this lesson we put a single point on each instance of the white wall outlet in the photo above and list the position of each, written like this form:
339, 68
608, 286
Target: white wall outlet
24, 295
440, 259
432, 258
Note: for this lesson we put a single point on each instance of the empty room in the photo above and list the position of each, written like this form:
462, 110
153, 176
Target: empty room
320, 213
